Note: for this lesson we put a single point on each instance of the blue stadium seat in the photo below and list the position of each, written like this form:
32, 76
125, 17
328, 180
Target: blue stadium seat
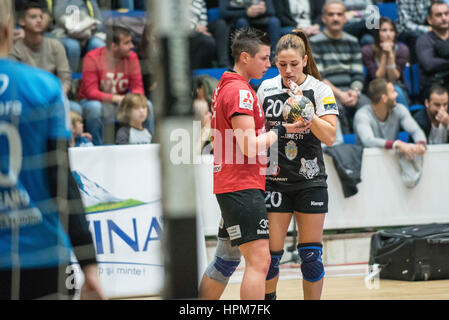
416, 107
218, 72
415, 78
76, 76
407, 75
404, 136
213, 14
213, 72
389, 10
349, 138
114, 14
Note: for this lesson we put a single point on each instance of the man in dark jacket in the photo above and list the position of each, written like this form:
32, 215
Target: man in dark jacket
434, 119
249, 13
432, 48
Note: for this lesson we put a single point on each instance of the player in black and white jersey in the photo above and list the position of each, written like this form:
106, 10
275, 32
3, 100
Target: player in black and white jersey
296, 182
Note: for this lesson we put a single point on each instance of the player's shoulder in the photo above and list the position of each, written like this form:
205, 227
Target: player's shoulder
270, 86
36, 84
319, 86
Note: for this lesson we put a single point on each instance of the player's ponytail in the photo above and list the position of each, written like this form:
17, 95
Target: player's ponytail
297, 39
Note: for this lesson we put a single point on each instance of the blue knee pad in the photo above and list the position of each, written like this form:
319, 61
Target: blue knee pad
276, 257
226, 260
311, 264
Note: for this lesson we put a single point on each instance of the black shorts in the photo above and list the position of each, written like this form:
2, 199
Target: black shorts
244, 216
310, 200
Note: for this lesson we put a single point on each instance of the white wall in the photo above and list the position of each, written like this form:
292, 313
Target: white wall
382, 199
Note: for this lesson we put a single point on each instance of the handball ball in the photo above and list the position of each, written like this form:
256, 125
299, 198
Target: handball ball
298, 108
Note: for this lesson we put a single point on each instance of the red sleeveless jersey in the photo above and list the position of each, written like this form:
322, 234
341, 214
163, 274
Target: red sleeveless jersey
233, 171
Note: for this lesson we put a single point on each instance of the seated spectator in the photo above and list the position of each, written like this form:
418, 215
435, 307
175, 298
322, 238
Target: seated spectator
86, 34
203, 90
357, 13
252, 13
386, 58
434, 119
299, 14
132, 113
79, 137
39, 51
108, 74
209, 40
47, 19
412, 22
338, 57
432, 49
378, 124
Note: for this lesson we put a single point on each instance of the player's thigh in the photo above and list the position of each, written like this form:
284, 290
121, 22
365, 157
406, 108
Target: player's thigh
280, 209
278, 223
311, 206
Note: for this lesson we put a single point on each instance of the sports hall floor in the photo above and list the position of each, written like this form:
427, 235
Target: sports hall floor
346, 282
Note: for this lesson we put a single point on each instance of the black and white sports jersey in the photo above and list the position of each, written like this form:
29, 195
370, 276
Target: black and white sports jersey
300, 161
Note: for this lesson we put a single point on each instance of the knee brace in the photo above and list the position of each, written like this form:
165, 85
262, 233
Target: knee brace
276, 257
226, 260
311, 264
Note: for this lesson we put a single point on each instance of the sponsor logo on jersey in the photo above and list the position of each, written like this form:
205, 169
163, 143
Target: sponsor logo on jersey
309, 168
263, 224
234, 232
329, 104
291, 150
217, 168
270, 89
246, 100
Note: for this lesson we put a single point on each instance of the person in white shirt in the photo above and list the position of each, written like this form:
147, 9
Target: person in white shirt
378, 124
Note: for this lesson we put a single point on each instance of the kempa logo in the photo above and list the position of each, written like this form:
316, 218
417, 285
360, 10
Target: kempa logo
316, 203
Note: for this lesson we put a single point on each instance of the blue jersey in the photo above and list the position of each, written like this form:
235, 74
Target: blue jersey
33, 109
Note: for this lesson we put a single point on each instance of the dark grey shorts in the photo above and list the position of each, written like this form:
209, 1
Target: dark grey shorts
244, 216
311, 200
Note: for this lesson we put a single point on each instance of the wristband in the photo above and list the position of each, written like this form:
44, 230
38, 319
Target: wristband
281, 130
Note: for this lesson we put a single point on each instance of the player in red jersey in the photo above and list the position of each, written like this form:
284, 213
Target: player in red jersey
240, 144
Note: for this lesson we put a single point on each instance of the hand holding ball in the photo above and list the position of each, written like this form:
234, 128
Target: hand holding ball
298, 108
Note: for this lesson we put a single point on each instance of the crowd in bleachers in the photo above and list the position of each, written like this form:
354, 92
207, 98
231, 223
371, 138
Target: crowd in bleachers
101, 57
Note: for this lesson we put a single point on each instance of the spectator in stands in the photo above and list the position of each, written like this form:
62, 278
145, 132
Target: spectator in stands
412, 22
432, 49
47, 9
203, 90
358, 13
386, 58
81, 31
132, 114
378, 124
209, 40
434, 119
39, 51
79, 137
338, 57
299, 14
108, 74
253, 13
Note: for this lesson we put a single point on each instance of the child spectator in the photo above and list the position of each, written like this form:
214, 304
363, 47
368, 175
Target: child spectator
79, 137
133, 112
